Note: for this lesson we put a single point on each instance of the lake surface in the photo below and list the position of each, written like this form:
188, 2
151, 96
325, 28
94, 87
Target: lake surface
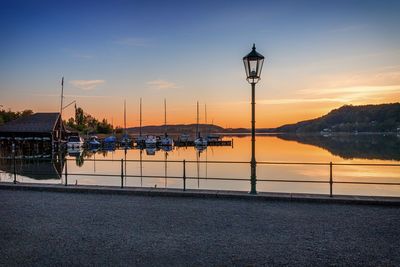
200, 168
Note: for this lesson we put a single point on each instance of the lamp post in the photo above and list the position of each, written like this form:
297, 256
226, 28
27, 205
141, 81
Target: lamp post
253, 63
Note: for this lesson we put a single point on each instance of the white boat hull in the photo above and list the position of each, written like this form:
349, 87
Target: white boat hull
200, 142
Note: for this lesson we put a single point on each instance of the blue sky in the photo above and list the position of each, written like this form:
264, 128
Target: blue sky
191, 50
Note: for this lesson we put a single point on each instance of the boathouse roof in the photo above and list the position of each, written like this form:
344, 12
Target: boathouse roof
35, 123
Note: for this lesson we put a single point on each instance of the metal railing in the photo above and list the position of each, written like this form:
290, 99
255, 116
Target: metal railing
184, 177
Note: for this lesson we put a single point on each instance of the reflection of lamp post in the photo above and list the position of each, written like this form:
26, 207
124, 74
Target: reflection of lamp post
253, 63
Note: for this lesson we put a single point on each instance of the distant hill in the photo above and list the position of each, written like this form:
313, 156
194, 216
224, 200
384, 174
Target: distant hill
365, 118
348, 118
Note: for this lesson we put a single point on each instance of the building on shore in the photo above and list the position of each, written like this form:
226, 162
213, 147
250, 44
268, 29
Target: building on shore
36, 128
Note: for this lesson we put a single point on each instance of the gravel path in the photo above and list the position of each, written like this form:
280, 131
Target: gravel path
45, 228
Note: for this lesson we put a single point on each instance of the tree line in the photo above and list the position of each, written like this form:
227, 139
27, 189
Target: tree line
8, 115
86, 123
81, 122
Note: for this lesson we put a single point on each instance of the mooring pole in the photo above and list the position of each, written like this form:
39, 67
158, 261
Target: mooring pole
184, 175
15, 171
66, 172
122, 173
330, 179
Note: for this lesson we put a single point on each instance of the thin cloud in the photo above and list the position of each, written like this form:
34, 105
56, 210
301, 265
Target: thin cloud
161, 84
353, 90
348, 28
283, 101
83, 56
86, 84
73, 96
77, 54
355, 94
133, 41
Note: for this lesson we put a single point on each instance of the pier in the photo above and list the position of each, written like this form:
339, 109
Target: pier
180, 143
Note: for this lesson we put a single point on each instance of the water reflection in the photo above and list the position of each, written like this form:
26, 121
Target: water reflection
83, 165
347, 146
45, 167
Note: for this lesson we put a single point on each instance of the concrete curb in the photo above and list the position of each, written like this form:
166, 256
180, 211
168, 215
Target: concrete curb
153, 192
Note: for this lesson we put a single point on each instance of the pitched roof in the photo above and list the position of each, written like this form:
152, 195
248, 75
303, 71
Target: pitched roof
35, 123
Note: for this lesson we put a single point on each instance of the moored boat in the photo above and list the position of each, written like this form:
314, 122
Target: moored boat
94, 142
151, 141
74, 142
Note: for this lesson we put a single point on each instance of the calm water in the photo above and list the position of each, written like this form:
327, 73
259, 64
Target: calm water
289, 148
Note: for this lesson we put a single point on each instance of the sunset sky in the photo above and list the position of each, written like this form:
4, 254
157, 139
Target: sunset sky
320, 55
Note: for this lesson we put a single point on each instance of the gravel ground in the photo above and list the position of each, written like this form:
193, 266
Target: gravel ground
46, 228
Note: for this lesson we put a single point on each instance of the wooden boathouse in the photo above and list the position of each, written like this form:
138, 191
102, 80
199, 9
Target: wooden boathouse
36, 128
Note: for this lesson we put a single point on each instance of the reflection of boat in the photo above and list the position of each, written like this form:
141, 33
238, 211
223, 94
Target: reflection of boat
166, 148
201, 148
151, 141
94, 149
151, 151
74, 142
75, 152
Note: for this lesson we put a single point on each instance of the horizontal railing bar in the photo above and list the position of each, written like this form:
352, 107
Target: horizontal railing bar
367, 164
155, 176
292, 163
88, 174
228, 179
293, 181
36, 173
212, 162
376, 183
217, 178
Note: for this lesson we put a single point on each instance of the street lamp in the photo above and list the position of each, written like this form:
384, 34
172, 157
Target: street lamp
253, 64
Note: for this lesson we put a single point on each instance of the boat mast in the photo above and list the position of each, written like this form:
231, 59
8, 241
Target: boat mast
205, 117
125, 117
197, 128
61, 109
165, 117
140, 127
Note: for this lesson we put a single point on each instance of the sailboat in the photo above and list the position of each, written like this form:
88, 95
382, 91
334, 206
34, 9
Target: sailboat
150, 141
109, 141
166, 140
140, 140
125, 141
199, 142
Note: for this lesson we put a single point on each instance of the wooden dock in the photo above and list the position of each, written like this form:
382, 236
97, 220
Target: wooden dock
209, 143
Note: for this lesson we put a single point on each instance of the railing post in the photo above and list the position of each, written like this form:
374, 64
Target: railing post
15, 171
330, 179
184, 175
66, 172
122, 173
